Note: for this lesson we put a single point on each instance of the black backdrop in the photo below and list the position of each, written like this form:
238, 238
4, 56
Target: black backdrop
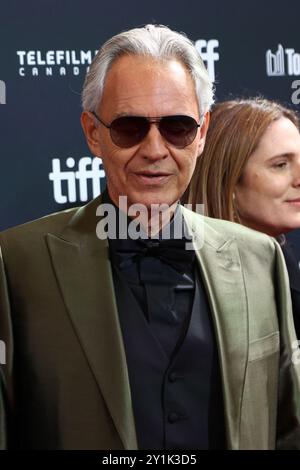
45, 47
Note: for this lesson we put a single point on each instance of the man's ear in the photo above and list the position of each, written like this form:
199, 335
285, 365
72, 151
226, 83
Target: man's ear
203, 132
91, 131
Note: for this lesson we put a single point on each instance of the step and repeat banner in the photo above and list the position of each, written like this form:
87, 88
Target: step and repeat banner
46, 47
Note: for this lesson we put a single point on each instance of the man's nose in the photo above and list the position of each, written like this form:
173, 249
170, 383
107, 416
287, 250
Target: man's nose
153, 146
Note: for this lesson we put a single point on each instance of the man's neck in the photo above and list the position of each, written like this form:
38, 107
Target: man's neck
152, 220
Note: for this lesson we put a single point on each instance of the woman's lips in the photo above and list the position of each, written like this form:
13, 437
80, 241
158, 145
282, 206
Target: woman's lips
294, 202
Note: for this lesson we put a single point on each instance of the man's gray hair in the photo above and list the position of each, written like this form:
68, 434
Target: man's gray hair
156, 41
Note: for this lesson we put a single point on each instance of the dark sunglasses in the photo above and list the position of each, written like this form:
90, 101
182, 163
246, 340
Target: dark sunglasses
127, 131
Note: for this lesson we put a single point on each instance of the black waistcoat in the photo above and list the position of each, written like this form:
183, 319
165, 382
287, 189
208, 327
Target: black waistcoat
177, 402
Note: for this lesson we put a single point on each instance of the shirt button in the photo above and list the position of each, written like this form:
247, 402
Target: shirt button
173, 417
172, 377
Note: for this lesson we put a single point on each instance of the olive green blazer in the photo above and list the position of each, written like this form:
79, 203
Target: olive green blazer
65, 382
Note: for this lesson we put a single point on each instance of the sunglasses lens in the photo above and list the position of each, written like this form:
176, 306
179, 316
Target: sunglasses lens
128, 131
180, 131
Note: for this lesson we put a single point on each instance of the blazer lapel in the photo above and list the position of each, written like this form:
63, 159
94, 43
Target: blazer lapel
222, 276
84, 275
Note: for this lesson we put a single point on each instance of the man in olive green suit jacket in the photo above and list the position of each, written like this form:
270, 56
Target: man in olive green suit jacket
65, 384
72, 388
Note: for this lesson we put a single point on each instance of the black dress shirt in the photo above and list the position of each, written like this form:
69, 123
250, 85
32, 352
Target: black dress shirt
164, 294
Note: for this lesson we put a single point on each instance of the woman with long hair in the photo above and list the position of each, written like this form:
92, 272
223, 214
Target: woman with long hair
249, 173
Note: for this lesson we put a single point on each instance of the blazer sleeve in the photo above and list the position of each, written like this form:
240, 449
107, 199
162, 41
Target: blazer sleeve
288, 416
6, 398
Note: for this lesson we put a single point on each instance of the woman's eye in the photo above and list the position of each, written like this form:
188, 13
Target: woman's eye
280, 165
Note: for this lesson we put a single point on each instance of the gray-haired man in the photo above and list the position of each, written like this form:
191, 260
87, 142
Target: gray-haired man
116, 342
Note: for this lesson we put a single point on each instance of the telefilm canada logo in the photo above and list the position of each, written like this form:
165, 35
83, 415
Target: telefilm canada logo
54, 62
73, 62
207, 50
2, 92
77, 184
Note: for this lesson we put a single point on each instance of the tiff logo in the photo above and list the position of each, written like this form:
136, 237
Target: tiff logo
282, 59
89, 169
2, 353
2, 92
207, 51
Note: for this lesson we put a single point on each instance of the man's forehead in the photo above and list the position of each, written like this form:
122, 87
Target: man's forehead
142, 86
139, 78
